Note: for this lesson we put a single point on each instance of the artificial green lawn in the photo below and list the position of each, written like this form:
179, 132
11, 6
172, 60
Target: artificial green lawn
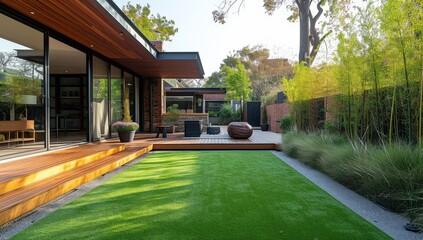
205, 195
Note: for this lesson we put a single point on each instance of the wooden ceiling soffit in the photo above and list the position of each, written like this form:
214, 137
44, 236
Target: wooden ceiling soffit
89, 24
86, 22
173, 65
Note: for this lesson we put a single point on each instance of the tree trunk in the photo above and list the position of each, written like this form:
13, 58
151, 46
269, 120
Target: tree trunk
304, 7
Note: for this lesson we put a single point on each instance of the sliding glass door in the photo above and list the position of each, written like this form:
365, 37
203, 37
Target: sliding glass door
100, 99
68, 94
116, 95
22, 117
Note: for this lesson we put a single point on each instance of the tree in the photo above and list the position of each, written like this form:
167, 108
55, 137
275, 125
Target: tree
154, 27
301, 9
265, 73
238, 83
377, 76
5, 58
216, 80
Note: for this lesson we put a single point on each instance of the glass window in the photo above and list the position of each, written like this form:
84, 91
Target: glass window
185, 103
137, 98
21, 88
214, 106
130, 88
68, 94
100, 99
116, 97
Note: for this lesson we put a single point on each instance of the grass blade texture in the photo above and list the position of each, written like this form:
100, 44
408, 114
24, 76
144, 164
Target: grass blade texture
205, 195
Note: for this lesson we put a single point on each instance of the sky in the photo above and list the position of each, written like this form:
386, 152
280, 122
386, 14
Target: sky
199, 33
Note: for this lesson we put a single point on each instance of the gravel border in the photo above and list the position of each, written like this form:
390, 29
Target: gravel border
389, 222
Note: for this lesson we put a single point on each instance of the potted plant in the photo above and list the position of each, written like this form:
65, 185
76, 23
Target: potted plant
126, 128
172, 116
264, 125
199, 102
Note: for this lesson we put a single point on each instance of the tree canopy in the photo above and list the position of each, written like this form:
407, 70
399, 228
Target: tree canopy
265, 73
312, 30
237, 82
374, 88
154, 27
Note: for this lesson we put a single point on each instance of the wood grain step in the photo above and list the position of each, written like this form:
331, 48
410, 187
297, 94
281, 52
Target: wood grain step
20, 201
23, 172
215, 146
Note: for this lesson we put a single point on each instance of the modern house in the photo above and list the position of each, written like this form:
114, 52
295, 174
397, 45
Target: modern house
196, 100
63, 68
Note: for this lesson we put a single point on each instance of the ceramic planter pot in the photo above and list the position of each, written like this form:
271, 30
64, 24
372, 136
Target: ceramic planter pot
264, 127
126, 136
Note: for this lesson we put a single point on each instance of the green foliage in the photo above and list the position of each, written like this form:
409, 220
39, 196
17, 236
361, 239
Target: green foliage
390, 175
116, 97
213, 114
264, 72
172, 114
122, 126
291, 143
154, 27
15, 85
226, 113
375, 86
287, 123
238, 83
236, 116
307, 86
271, 97
216, 80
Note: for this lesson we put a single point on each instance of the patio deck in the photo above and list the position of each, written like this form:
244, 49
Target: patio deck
258, 141
29, 182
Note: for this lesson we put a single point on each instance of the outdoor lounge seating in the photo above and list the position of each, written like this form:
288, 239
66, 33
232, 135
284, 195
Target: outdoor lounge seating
213, 130
192, 128
240, 130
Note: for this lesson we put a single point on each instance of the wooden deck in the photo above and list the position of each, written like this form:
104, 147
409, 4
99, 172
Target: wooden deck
258, 141
30, 182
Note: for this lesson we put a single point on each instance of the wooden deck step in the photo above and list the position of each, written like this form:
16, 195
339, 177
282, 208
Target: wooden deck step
20, 201
20, 173
216, 146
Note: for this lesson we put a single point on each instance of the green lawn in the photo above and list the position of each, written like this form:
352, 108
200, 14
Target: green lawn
205, 195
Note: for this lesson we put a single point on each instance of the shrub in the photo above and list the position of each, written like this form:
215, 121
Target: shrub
236, 116
287, 123
173, 113
330, 126
401, 166
226, 113
346, 163
291, 143
213, 114
391, 175
309, 148
122, 126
